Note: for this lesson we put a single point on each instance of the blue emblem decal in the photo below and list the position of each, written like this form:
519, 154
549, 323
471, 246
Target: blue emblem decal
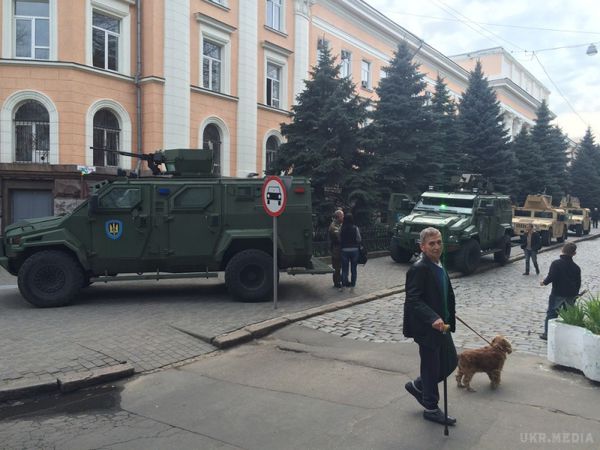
113, 229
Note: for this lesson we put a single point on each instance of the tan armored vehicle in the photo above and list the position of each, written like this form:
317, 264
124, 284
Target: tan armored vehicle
551, 222
579, 218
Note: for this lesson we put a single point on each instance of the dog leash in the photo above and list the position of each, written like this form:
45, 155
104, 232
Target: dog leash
467, 325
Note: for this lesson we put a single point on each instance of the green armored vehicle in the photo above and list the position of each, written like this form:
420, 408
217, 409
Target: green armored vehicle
183, 223
472, 223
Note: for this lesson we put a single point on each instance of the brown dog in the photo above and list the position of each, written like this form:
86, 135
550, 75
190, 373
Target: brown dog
489, 359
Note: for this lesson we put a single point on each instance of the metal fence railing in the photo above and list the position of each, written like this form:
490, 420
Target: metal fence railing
375, 237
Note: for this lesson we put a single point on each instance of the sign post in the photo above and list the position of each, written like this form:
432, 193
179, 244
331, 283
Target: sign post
274, 198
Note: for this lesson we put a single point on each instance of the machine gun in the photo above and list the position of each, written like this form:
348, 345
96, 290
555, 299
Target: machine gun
472, 182
179, 162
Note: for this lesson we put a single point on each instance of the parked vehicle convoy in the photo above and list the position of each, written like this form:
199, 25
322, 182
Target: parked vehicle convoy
184, 223
580, 221
473, 223
552, 223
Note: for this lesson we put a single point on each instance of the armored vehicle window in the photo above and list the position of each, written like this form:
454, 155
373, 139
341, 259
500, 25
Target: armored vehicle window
522, 213
194, 197
461, 205
121, 198
543, 214
577, 212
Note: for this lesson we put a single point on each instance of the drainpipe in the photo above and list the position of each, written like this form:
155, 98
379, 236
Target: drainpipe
138, 86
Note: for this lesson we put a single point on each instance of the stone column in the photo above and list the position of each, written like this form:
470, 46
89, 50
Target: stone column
301, 44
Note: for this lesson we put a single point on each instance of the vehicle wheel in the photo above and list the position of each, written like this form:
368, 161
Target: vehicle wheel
399, 254
563, 238
249, 275
50, 278
546, 237
503, 255
586, 232
467, 258
578, 230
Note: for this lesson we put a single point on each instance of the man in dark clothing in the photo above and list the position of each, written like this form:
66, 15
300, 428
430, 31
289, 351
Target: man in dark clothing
595, 217
335, 248
531, 242
428, 313
565, 277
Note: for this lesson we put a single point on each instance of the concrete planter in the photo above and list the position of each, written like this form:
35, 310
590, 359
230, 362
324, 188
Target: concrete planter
575, 347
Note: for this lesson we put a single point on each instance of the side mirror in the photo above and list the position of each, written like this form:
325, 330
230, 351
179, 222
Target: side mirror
93, 204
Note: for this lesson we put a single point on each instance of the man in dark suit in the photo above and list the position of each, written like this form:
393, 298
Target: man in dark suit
531, 243
429, 311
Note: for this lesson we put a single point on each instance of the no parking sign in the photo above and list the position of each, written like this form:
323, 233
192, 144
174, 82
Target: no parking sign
274, 196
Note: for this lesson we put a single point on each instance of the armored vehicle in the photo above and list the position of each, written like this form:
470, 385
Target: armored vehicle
473, 223
579, 218
183, 223
537, 210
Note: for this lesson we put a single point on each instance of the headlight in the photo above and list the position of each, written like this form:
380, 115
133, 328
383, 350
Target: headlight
15, 240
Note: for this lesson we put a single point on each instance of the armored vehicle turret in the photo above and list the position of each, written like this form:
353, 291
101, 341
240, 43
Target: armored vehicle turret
537, 210
185, 222
473, 222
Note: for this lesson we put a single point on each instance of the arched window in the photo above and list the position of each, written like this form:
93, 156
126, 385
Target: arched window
271, 153
211, 140
107, 135
32, 133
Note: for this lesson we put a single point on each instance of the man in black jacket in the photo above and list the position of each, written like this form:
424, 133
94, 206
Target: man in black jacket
531, 242
565, 277
428, 313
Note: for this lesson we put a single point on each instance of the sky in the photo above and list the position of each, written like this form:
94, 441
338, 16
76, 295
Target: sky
526, 29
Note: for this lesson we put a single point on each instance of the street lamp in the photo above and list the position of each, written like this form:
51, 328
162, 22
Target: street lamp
591, 50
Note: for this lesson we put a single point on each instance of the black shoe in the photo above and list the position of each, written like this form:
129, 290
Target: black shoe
437, 416
537, 272
544, 336
412, 390
526, 273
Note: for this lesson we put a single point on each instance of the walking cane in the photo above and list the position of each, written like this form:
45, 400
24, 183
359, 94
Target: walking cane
445, 363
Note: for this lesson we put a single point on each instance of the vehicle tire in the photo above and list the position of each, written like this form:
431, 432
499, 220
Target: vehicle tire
249, 275
586, 232
563, 238
546, 237
467, 258
505, 245
50, 278
578, 230
399, 254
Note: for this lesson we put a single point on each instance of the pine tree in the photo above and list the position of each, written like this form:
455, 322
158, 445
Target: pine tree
484, 139
397, 133
323, 141
444, 137
530, 167
585, 172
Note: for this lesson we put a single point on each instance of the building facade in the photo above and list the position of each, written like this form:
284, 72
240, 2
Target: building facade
77, 76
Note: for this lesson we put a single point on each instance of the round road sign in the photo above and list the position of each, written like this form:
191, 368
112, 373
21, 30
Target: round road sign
274, 196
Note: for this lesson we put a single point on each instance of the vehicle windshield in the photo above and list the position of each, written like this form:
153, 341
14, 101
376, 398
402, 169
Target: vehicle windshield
522, 213
543, 214
577, 212
444, 204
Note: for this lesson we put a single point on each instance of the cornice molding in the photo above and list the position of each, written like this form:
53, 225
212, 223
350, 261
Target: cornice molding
212, 22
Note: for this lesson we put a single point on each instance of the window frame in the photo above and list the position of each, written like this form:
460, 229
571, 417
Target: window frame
270, 17
269, 88
32, 125
211, 61
348, 64
9, 31
277, 56
32, 33
217, 33
365, 84
107, 33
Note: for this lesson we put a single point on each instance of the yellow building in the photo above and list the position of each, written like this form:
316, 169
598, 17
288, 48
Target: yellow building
140, 75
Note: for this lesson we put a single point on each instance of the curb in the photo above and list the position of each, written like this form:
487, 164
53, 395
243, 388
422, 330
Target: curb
66, 383
261, 329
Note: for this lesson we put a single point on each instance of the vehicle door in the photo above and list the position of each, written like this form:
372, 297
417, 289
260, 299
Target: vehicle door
194, 224
487, 222
120, 229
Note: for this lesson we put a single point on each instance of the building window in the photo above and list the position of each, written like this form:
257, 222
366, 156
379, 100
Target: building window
365, 74
105, 41
211, 65
275, 14
32, 133
32, 29
273, 85
271, 152
322, 45
346, 66
107, 136
211, 140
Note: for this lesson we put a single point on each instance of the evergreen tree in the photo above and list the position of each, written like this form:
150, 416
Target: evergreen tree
444, 137
397, 133
484, 139
323, 141
585, 172
529, 167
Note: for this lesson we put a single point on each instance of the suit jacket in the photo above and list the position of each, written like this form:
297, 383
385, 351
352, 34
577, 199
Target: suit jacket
424, 304
536, 241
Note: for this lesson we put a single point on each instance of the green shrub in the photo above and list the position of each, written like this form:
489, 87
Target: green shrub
592, 314
573, 315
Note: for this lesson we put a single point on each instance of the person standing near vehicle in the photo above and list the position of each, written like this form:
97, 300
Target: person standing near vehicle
565, 277
350, 240
429, 312
595, 217
531, 242
334, 247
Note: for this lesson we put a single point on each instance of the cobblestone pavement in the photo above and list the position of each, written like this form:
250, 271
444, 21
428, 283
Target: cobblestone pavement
499, 301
